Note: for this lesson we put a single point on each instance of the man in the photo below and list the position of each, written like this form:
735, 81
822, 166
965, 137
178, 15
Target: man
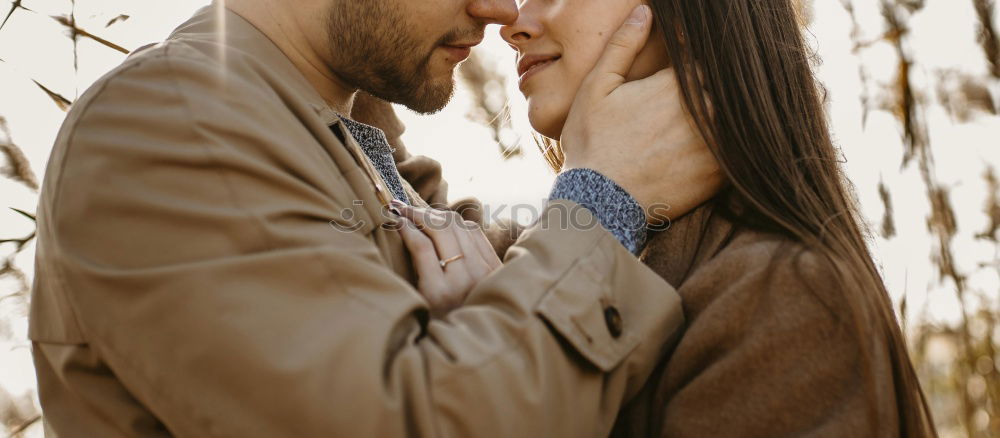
189, 281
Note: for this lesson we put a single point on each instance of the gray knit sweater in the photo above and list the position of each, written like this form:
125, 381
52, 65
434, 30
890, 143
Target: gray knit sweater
614, 208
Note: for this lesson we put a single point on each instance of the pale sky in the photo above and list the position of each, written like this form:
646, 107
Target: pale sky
944, 38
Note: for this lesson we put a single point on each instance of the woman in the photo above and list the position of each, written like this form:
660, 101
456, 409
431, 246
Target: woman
790, 330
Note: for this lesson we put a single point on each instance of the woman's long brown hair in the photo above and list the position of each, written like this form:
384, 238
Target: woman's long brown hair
768, 130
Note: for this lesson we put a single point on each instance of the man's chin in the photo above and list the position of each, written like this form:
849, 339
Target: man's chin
430, 98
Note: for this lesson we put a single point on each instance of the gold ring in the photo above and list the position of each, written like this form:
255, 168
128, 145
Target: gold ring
450, 259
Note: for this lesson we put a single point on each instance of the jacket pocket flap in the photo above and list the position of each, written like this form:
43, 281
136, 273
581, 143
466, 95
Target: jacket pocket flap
581, 308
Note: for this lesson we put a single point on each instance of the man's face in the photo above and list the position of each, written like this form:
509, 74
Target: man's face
406, 51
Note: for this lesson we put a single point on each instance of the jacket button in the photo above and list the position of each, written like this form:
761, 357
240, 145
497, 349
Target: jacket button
614, 321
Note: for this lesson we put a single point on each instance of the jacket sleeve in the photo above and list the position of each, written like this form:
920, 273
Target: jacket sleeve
191, 238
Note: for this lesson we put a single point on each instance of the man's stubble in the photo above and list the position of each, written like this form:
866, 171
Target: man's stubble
372, 51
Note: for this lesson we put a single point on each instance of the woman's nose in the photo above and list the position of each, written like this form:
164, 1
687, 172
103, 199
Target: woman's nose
493, 11
524, 29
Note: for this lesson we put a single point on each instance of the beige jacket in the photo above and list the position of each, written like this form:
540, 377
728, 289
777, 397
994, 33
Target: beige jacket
194, 278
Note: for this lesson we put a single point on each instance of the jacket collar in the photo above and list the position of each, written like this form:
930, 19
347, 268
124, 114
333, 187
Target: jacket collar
689, 241
220, 27
229, 31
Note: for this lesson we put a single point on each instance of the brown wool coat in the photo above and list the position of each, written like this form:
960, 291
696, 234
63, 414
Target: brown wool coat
768, 350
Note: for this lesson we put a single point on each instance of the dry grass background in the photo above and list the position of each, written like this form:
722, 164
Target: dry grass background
957, 361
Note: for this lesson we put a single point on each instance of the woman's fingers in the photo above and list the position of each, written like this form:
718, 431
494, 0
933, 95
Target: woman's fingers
434, 236
465, 235
434, 226
423, 254
483, 245
444, 235
441, 292
454, 235
474, 262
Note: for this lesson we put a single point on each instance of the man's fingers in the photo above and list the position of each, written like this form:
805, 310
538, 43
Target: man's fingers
619, 54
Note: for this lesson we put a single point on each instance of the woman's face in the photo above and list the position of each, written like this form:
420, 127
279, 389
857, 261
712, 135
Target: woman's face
559, 42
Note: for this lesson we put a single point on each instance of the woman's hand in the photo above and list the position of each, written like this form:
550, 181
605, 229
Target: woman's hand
450, 254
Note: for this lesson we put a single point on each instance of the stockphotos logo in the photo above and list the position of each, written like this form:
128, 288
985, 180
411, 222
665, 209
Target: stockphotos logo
571, 216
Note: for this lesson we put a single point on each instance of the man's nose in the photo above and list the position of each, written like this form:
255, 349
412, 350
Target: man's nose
494, 11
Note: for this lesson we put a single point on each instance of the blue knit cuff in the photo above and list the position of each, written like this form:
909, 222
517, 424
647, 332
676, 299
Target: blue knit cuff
613, 207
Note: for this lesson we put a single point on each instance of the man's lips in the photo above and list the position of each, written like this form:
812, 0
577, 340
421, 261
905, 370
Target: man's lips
460, 51
469, 44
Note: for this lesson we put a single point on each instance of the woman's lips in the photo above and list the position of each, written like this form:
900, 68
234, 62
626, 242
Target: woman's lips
533, 69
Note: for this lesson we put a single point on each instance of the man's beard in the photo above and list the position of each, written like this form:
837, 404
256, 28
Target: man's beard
372, 52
